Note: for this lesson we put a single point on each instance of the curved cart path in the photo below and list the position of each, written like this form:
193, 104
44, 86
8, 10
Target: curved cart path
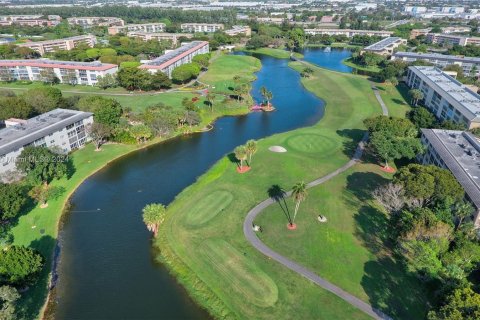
260, 246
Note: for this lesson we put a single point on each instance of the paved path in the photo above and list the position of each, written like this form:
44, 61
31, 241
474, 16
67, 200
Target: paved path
260, 246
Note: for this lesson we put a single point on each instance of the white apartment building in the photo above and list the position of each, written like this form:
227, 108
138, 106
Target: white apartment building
69, 72
385, 46
469, 64
458, 152
176, 58
347, 32
144, 27
456, 29
47, 46
172, 37
201, 27
96, 21
446, 97
61, 129
237, 30
450, 39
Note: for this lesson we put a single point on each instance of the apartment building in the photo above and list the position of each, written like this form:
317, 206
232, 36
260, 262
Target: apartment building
446, 97
347, 32
143, 27
172, 37
239, 30
385, 46
176, 58
96, 21
450, 39
419, 32
43, 47
456, 29
61, 129
201, 27
29, 20
470, 65
458, 152
69, 72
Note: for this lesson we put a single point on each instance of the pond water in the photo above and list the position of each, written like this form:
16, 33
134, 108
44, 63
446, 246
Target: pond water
106, 268
328, 59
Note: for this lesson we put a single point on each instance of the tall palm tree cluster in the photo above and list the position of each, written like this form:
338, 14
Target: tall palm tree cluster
245, 152
268, 96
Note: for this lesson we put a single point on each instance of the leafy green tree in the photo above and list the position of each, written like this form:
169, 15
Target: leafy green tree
98, 132
41, 164
15, 107
107, 81
185, 72
192, 118
153, 216
295, 39
202, 60
160, 80
422, 257
462, 304
422, 118
106, 111
299, 193
8, 298
140, 132
48, 76
390, 147
42, 193
12, 200
20, 265
43, 99
133, 78
416, 95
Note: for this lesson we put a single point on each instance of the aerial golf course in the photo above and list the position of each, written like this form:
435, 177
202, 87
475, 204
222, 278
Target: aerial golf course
203, 244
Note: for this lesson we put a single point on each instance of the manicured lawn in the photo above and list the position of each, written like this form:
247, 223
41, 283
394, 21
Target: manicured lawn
396, 98
63, 87
213, 278
276, 53
348, 249
350, 63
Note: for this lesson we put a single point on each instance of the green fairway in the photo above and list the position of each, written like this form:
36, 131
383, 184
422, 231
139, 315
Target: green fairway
209, 207
312, 152
396, 98
350, 63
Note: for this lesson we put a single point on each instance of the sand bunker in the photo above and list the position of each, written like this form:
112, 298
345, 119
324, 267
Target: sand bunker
277, 149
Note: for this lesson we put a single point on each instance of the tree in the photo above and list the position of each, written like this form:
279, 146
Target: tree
43, 192
160, 80
240, 154
107, 81
41, 164
299, 193
422, 118
106, 111
19, 265
12, 200
133, 78
462, 210
390, 147
416, 95
393, 81
43, 99
267, 95
140, 132
15, 107
153, 216
251, 149
462, 304
422, 257
48, 76
185, 72
210, 97
98, 132
202, 60
391, 196
8, 297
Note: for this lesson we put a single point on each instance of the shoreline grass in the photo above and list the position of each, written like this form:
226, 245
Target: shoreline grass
275, 53
348, 62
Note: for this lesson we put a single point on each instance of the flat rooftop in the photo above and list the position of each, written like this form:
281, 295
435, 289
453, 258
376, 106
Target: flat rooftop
46, 63
449, 87
82, 37
15, 137
168, 58
383, 44
460, 151
436, 56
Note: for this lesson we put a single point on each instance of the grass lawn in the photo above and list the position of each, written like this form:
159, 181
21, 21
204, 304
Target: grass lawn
350, 63
348, 249
334, 45
276, 53
396, 98
64, 87
38, 228
209, 216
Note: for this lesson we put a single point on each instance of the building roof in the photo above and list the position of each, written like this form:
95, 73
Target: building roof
383, 44
174, 55
82, 37
460, 151
15, 137
46, 63
451, 89
436, 56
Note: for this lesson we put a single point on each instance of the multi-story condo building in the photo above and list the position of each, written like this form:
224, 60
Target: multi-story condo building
176, 58
446, 97
456, 29
96, 21
172, 37
414, 10
385, 46
419, 32
201, 27
470, 65
458, 152
144, 27
236, 30
29, 20
69, 72
450, 39
347, 32
43, 47
60, 129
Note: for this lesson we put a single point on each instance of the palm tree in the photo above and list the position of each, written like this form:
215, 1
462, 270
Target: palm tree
210, 98
393, 81
153, 216
299, 193
251, 148
416, 95
240, 154
462, 211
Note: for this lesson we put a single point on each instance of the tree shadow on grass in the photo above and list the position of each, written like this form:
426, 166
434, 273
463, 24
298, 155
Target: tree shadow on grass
398, 101
353, 138
233, 159
278, 194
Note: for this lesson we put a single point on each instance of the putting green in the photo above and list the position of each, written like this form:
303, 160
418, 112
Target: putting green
312, 143
207, 208
239, 274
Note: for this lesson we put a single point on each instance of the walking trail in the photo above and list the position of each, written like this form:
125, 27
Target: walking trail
260, 246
